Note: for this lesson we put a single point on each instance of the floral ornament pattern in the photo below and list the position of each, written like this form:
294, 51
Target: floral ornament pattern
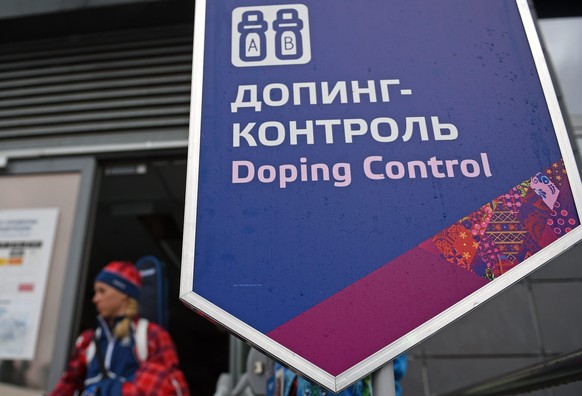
514, 226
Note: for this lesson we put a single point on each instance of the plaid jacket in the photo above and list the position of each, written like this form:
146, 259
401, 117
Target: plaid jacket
158, 374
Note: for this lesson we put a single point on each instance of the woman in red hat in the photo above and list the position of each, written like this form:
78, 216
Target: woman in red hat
124, 355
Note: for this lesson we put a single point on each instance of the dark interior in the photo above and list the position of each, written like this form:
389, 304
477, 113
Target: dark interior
139, 211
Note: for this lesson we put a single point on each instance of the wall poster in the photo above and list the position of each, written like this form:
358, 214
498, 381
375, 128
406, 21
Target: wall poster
26, 244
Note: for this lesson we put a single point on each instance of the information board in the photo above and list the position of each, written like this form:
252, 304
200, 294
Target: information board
26, 244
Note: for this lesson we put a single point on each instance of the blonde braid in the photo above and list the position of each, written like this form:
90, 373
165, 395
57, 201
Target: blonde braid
122, 329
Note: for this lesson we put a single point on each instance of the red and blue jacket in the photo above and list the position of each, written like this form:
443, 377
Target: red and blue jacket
144, 363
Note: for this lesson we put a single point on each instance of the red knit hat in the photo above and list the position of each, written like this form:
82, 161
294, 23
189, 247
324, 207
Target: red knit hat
123, 276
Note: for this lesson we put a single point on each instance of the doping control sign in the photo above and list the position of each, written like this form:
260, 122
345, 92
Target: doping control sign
362, 173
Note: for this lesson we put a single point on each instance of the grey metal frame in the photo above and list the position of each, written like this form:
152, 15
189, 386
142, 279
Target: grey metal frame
382, 357
68, 305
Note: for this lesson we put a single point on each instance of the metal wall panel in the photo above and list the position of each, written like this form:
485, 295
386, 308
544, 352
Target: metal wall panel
19, 8
110, 89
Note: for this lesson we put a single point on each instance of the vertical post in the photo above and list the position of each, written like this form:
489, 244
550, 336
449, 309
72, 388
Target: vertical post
235, 359
383, 381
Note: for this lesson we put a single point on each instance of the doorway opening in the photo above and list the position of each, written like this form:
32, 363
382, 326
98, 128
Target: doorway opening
140, 211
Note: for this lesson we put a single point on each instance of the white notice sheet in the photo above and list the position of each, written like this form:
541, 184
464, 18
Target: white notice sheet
26, 243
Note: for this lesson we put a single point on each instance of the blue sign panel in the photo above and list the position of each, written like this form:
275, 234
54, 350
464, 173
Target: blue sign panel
365, 162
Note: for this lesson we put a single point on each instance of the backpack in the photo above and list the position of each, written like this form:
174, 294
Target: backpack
153, 300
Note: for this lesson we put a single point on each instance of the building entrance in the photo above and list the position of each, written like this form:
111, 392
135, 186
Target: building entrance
139, 211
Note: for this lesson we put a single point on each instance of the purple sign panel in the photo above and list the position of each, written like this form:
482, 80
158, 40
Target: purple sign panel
363, 173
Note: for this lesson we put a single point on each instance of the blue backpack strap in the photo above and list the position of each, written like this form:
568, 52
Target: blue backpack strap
153, 301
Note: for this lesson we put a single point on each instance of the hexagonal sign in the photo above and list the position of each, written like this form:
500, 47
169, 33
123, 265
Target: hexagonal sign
362, 173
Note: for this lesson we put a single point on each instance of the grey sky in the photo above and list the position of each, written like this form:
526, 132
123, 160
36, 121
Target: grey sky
563, 39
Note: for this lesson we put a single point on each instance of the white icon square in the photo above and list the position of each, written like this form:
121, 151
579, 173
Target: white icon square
270, 35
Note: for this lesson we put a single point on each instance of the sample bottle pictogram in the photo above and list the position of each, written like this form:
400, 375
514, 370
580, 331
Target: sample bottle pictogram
288, 39
252, 45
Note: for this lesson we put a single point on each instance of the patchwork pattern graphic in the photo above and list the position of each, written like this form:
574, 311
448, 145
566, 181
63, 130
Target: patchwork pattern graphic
512, 227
